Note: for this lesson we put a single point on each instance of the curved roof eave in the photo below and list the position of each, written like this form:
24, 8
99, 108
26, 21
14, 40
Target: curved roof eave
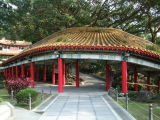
90, 38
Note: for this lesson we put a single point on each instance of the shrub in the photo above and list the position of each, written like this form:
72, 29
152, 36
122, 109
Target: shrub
1, 86
133, 95
16, 84
23, 95
1, 100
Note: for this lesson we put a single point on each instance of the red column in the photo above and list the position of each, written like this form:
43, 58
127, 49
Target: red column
44, 73
135, 81
22, 71
37, 73
77, 74
149, 83
8, 70
32, 74
64, 77
60, 75
16, 71
124, 77
53, 74
28, 71
4, 73
12, 72
7, 74
108, 77
159, 86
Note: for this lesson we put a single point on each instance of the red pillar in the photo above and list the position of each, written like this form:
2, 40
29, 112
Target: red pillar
8, 70
135, 81
16, 71
12, 72
60, 75
64, 77
44, 73
108, 77
53, 74
32, 74
22, 71
37, 73
149, 83
124, 77
28, 71
159, 86
77, 74
7, 74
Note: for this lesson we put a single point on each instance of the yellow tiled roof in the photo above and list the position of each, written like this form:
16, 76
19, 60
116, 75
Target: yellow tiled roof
11, 42
93, 37
9, 53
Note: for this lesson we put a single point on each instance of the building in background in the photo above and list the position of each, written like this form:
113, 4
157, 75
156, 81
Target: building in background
10, 48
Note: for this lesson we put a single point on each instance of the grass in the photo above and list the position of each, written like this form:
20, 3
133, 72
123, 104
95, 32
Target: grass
5, 97
1, 85
35, 103
140, 109
3, 92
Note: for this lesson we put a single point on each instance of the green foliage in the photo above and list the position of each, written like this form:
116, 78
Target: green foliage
33, 20
87, 67
157, 97
124, 41
133, 95
1, 100
155, 48
61, 39
23, 95
97, 31
1, 84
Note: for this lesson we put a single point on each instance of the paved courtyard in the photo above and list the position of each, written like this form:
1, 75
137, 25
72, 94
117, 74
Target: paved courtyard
84, 103
80, 107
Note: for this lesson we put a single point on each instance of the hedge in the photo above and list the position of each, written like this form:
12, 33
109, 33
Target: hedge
23, 95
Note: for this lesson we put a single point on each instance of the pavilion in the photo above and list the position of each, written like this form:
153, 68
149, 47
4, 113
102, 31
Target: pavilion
87, 43
10, 48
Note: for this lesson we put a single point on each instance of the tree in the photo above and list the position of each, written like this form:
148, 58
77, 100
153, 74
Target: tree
32, 20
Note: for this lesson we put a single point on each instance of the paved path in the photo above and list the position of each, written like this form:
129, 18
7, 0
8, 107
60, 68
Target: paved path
84, 103
91, 85
80, 107
23, 114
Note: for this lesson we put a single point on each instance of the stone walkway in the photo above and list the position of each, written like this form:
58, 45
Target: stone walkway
80, 107
23, 114
84, 103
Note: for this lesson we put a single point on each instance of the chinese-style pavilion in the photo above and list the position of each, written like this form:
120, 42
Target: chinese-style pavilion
10, 48
88, 43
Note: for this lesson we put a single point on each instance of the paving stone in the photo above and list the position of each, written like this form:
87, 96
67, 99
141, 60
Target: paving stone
66, 118
68, 113
98, 113
107, 117
51, 118
55, 113
87, 118
86, 113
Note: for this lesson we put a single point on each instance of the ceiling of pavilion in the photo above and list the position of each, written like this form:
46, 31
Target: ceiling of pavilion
94, 38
